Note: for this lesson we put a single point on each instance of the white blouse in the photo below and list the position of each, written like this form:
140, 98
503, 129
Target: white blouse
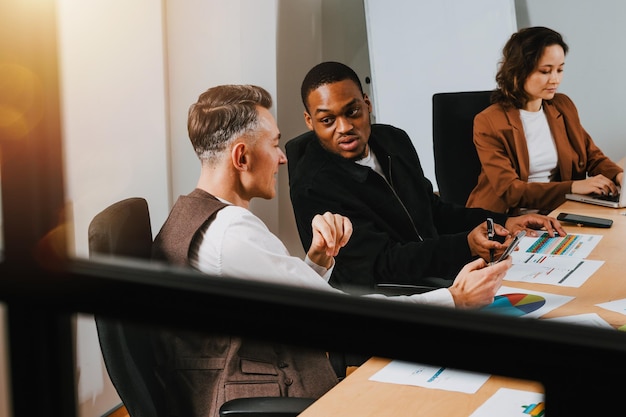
542, 155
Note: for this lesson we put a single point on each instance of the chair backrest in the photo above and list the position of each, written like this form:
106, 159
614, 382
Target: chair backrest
456, 162
294, 149
123, 229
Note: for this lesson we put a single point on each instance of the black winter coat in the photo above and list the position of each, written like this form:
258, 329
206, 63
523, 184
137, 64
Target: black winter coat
403, 232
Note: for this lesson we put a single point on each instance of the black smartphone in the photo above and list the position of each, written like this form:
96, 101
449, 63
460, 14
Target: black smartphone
516, 240
581, 220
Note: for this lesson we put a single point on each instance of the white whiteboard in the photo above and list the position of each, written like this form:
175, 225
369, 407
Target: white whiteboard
418, 48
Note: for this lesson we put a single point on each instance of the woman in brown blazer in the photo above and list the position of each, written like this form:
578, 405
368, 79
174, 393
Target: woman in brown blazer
531, 144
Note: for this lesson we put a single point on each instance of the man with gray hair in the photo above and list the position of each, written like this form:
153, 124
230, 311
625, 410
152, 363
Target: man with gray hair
212, 230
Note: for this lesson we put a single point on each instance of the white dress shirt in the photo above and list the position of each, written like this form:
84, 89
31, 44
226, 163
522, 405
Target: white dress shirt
236, 243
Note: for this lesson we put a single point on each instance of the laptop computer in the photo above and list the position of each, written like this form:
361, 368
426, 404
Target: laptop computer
614, 201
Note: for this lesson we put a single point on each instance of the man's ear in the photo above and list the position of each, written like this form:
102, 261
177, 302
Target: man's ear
368, 102
308, 120
239, 156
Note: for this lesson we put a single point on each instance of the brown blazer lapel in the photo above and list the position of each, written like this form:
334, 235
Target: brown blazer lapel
519, 141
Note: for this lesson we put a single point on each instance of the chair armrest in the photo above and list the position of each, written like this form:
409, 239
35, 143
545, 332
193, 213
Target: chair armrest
430, 283
265, 407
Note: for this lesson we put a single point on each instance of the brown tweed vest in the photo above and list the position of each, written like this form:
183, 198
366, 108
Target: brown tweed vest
200, 371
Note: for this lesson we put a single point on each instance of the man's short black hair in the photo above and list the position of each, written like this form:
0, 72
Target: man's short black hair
326, 73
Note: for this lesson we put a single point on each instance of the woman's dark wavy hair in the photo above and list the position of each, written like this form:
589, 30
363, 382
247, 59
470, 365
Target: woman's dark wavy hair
520, 57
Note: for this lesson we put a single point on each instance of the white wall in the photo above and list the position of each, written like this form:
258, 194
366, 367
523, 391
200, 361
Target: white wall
298, 47
419, 48
210, 43
595, 65
114, 125
113, 106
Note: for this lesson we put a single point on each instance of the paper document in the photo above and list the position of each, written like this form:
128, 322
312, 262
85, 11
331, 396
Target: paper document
512, 403
586, 319
427, 376
517, 302
555, 270
576, 246
618, 306
554, 260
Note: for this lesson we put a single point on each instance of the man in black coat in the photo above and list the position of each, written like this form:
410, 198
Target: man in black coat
403, 233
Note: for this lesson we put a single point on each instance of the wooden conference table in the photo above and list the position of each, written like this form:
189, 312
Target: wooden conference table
357, 396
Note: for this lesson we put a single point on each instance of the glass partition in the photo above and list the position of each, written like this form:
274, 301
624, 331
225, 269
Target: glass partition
107, 132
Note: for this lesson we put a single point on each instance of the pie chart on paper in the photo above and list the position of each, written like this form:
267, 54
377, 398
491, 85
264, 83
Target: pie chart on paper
516, 304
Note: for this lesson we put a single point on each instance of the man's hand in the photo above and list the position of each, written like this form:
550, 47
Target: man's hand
480, 244
476, 285
331, 232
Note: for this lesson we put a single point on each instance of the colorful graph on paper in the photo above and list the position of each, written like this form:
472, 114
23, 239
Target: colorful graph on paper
512, 402
551, 269
572, 245
516, 304
522, 303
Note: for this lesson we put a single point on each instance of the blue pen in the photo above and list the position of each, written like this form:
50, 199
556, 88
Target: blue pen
491, 234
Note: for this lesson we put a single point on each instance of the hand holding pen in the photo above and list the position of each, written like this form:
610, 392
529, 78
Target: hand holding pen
485, 240
491, 234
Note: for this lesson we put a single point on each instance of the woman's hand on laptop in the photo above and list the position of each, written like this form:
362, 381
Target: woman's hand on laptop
598, 184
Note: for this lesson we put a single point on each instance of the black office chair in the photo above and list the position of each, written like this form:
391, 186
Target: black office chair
123, 229
294, 149
456, 162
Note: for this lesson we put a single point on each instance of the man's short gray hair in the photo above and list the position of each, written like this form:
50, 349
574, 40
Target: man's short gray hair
222, 114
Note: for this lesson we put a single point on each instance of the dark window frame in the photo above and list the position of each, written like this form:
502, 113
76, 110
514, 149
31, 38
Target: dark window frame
42, 288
